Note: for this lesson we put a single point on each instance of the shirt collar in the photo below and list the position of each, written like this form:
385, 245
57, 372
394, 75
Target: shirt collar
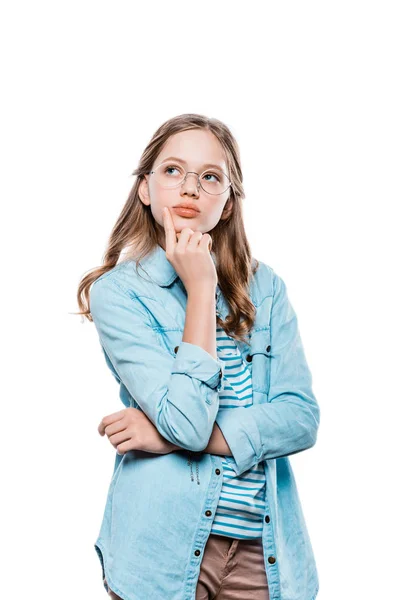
158, 267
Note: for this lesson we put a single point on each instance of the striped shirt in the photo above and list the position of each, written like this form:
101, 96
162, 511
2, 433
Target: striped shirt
241, 505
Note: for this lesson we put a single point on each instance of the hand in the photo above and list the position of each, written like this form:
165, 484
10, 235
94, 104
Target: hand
130, 429
190, 254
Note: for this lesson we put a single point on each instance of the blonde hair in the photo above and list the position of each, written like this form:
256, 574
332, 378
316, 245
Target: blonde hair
137, 233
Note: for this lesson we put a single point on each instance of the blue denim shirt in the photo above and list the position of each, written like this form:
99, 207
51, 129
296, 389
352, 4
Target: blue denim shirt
157, 520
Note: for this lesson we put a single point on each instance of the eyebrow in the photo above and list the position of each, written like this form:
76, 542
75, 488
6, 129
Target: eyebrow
184, 162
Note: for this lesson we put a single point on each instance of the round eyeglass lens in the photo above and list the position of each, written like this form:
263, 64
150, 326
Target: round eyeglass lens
170, 175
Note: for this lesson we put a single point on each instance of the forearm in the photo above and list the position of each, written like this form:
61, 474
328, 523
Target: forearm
200, 321
216, 445
200, 329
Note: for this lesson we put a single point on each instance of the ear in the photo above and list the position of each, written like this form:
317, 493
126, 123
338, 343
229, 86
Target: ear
143, 191
227, 209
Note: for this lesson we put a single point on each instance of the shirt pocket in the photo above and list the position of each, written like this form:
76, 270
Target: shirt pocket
169, 338
259, 356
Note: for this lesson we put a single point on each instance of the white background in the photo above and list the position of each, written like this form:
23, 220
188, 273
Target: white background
311, 92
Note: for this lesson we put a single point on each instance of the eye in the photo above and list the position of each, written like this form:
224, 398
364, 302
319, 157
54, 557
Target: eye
212, 175
170, 168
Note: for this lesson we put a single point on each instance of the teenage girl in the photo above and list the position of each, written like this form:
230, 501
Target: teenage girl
205, 347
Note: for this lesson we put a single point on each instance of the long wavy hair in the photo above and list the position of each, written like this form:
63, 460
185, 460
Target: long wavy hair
136, 233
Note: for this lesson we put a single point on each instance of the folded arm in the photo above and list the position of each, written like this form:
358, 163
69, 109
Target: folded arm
289, 421
178, 393
216, 445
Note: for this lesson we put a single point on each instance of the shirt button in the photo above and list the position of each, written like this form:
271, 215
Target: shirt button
271, 559
176, 349
249, 358
217, 471
267, 519
197, 552
268, 348
208, 513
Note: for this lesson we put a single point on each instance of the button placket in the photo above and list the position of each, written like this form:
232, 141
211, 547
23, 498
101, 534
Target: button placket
260, 348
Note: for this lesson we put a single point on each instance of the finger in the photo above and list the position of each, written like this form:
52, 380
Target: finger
195, 238
115, 427
107, 420
206, 240
169, 229
118, 438
185, 237
126, 446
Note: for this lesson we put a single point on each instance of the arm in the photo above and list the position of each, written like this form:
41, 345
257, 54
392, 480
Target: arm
200, 319
216, 445
289, 421
178, 393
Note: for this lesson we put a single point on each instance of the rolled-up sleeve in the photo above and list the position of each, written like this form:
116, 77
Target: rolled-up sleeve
194, 361
178, 393
288, 422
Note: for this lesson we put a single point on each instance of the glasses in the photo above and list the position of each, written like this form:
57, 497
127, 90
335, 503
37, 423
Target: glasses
170, 175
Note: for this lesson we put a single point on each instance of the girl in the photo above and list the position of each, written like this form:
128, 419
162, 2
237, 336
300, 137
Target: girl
204, 344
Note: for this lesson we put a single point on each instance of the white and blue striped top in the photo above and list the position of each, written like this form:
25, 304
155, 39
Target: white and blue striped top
240, 509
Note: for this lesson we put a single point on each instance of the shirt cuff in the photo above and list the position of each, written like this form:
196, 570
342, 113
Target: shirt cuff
242, 436
196, 362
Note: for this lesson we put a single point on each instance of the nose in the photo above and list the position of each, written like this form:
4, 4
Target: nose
191, 184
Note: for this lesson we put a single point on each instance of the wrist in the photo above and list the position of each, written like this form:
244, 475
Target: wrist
217, 444
172, 447
202, 290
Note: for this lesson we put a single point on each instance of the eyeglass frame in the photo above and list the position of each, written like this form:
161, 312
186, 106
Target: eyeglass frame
171, 187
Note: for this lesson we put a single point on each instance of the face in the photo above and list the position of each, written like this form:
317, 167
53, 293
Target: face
195, 148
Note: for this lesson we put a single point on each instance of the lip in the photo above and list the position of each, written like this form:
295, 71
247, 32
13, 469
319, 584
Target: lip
188, 205
185, 212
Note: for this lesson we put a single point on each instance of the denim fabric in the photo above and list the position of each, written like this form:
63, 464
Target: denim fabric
157, 517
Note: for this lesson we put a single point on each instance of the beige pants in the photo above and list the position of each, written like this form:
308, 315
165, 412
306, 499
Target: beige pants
231, 569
